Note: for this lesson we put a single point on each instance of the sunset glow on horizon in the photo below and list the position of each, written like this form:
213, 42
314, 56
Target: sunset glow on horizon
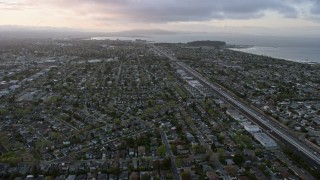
189, 15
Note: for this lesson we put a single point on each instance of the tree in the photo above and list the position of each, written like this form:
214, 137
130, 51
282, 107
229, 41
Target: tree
222, 159
145, 177
214, 160
35, 171
238, 159
114, 171
221, 151
179, 162
117, 121
5, 78
221, 138
161, 150
166, 164
174, 149
54, 172
258, 152
185, 176
232, 170
3, 111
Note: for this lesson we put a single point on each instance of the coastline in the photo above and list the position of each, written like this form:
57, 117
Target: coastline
305, 55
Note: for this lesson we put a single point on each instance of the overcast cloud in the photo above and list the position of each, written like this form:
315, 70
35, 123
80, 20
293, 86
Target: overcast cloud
164, 14
315, 10
161, 11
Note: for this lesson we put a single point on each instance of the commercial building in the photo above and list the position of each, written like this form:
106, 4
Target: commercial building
265, 140
250, 127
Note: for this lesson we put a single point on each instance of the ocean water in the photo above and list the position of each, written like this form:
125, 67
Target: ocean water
292, 49
297, 54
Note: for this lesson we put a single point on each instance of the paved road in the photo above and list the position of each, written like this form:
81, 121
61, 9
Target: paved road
205, 145
175, 171
257, 116
118, 74
253, 114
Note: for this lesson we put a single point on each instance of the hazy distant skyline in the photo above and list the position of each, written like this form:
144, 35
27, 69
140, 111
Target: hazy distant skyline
265, 17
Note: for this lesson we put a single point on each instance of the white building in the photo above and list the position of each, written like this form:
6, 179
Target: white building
265, 140
4, 93
250, 127
194, 83
235, 115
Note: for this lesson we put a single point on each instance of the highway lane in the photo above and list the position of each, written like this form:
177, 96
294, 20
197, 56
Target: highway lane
253, 114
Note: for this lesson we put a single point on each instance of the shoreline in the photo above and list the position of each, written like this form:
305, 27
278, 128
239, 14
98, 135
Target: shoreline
274, 51
266, 54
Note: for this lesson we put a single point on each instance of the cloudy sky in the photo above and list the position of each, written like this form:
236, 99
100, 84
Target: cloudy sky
285, 17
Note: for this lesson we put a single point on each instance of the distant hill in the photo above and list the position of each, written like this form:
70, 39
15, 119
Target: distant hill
4, 28
20, 32
216, 44
143, 32
33, 32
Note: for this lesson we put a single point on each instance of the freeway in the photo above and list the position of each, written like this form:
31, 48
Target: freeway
251, 113
256, 115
